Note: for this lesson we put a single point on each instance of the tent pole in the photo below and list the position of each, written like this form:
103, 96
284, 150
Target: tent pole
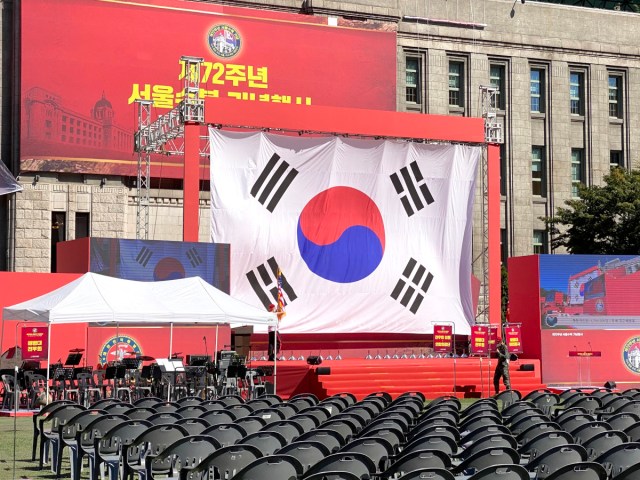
48, 358
170, 357
2, 338
215, 352
86, 346
170, 340
275, 362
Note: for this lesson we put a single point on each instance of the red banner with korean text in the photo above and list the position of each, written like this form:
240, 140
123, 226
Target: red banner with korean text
34, 343
513, 338
493, 337
443, 338
479, 340
84, 63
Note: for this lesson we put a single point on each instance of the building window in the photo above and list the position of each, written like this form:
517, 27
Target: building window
58, 234
456, 83
615, 159
577, 170
615, 90
576, 92
537, 92
537, 172
503, 169
82, 224
539, 242
413, 80
496, 78
504, 247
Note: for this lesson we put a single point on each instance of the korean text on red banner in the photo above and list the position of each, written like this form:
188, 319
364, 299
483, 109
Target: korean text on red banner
34, 343
442, 338
479, 340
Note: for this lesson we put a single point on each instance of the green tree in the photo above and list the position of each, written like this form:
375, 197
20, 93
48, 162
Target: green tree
603, 220
504, 292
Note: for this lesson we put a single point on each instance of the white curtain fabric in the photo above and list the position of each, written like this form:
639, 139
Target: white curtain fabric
96, 298
8, 183
370, 235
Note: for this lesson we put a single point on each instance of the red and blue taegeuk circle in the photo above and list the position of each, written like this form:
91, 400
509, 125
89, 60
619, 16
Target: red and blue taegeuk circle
341, 235
168, 268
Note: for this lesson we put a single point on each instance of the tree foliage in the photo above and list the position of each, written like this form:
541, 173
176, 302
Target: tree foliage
504, 290
603, 220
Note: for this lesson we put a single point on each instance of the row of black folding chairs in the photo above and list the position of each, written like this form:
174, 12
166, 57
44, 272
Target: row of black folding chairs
601, 401
524, 440
66, 422
402, 437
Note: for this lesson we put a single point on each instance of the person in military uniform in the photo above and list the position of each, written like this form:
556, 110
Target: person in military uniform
502, 368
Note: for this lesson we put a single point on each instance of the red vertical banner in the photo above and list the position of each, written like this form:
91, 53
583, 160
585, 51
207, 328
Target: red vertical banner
34, 343
479, 340
493, 337
513, 338
442, 338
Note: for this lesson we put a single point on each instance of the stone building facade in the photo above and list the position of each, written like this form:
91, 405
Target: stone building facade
569, 102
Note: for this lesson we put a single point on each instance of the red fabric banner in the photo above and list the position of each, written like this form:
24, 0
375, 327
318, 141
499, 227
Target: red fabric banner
78, 97
513, 338
34, 343
442, 338
479, 340
493, 337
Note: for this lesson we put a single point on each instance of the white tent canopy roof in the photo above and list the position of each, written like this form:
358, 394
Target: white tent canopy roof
96, 298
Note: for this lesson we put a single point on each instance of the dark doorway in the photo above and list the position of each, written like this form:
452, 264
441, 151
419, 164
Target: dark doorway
58, 229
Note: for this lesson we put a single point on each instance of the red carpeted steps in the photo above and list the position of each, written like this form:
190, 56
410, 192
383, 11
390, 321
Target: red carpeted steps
473, 377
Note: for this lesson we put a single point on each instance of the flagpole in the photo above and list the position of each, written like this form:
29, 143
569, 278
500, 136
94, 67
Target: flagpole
275, 360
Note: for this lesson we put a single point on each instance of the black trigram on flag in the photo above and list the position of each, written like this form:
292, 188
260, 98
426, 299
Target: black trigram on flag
273, 182
194, 257
412, 286
264, 281
144, 255
412, 188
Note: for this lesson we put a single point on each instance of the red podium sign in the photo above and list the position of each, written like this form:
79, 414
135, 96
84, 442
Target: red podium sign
34, 343
442, 338
583, 353
479, 340
513, 338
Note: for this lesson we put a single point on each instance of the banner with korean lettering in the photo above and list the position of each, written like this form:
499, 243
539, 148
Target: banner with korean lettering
493, 337
85, 62
513, 338
479, 340
34, 343
442, 338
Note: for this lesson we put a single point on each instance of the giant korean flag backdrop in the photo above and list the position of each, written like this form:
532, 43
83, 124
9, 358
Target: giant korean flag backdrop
368, 235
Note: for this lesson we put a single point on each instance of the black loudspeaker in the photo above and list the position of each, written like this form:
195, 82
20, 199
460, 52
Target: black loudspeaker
273, 348
610, 385
268, 388
527, 367
314, 360
323, 371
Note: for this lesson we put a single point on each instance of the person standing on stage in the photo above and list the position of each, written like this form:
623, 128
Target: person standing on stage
502, 368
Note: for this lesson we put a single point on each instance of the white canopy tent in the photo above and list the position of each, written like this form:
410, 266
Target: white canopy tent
98, 299
8, 183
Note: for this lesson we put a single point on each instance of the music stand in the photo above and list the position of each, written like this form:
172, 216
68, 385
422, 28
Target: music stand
73, 359
56, 371
113, 374
131, 363
198, 360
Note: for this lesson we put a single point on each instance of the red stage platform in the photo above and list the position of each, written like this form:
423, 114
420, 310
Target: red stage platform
432, 376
